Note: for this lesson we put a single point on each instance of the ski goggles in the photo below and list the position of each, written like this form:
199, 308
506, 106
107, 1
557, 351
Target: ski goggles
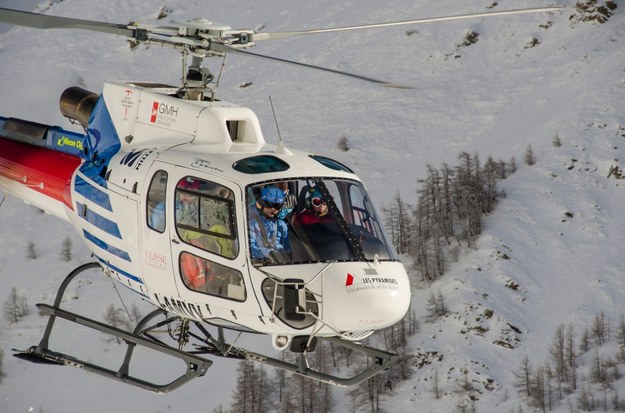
317, 201
274, 205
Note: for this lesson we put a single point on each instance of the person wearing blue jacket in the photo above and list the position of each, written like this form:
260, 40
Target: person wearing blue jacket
269, 238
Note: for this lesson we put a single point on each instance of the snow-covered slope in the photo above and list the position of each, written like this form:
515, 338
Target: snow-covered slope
550, 254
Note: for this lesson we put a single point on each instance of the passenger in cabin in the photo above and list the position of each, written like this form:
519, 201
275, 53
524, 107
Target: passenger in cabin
225, 246
268, 233
190, 217
187, 204
187, 212
290, 200
156, 220
316, 210
194, 270
205, 276
156, 201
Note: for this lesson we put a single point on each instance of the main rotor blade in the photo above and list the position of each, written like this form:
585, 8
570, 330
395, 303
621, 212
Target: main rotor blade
283, 35
42, 21
228, 49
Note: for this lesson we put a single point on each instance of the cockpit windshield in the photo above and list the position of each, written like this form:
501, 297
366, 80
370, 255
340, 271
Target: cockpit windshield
313, 220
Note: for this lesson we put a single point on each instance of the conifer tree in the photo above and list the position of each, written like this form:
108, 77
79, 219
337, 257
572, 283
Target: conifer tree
522, 378
1, 359
15, 307
254, 392
115, 317
66, 249
556, 353
31, 251
397, 222
538, 390
600, 329
529, 157
512, 165
435, 306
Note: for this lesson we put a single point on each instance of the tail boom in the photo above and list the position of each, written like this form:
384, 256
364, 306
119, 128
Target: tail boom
36, 174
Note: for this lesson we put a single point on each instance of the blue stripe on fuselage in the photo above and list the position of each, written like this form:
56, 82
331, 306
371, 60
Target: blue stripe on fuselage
120, 271
106, 246
92, 193
98, 220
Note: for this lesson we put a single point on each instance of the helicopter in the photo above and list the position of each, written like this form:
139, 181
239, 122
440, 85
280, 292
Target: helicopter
149, 147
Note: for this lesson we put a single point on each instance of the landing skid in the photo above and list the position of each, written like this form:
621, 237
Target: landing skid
145, 335
195, 366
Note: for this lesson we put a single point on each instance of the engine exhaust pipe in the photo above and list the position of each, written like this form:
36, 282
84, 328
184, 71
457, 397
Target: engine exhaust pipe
77, 103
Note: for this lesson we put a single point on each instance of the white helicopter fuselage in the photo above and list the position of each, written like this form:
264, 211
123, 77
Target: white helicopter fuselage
141, 137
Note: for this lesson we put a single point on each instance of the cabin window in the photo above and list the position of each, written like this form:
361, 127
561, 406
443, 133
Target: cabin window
331, 163
156, 201
205, 216
261, 164
205, 276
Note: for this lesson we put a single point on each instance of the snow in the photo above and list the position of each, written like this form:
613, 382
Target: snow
556, 236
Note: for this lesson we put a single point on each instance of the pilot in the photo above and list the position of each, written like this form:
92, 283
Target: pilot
268, 233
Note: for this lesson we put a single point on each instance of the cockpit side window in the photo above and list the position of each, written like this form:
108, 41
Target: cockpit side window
205, 216
362, 211
156, 201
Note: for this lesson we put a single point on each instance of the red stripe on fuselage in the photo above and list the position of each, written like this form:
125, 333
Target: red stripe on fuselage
32, 166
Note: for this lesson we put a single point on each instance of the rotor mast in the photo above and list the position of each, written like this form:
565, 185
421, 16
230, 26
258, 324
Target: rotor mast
195, 79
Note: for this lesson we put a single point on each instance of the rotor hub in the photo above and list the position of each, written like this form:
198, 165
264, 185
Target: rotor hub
201, 25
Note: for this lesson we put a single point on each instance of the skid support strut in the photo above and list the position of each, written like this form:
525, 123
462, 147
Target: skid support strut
195, 366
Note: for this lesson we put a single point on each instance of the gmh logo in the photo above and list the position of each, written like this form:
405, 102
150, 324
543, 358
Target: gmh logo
163, 109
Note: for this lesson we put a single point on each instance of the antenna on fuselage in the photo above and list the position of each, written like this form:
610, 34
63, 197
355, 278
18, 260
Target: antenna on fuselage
275, 119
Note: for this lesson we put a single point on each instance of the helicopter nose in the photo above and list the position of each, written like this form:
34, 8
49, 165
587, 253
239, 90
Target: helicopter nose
364, 298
